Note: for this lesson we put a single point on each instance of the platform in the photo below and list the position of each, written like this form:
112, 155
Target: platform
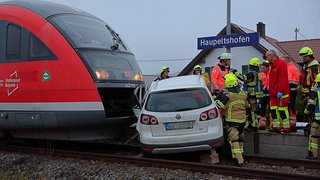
264, 143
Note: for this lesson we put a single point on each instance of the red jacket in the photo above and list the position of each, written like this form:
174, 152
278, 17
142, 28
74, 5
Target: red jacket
217, 74
278, 78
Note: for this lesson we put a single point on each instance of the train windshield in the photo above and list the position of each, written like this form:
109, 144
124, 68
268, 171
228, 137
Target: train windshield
110, 67
87, 32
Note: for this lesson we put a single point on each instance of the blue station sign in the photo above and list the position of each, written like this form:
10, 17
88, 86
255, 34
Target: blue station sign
234, 40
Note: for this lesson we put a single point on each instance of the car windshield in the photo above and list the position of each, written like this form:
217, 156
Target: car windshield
178, 100
87, 32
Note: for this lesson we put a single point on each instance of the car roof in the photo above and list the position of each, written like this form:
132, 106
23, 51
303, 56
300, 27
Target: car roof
189, 81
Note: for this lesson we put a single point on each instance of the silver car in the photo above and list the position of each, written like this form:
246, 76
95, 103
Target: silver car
179, 115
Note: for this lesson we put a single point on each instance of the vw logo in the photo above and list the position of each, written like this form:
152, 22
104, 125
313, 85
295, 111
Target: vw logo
178, 116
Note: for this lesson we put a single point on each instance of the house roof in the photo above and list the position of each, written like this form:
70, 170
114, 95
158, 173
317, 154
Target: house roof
292, 48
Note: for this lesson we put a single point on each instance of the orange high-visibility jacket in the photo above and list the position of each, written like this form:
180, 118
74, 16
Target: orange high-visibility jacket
217, 74
293, 73
265, 78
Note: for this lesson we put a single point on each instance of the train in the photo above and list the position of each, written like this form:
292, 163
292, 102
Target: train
65, 74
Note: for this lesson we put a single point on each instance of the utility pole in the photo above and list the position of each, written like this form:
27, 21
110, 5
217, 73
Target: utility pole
296, 30
228, 30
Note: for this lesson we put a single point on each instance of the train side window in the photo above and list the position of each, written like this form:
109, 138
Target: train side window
13, 42
38, 50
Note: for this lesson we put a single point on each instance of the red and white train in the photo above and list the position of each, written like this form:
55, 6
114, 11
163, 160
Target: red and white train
64, 74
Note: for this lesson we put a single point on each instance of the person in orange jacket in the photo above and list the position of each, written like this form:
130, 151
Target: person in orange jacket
279, 92
219, 71
293, 77
264, 75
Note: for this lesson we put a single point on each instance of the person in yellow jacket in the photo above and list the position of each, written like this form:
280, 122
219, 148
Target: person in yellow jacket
197, 70
234, 104
253, 86
313, 109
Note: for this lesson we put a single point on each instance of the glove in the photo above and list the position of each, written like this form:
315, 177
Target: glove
279, 95
306, 130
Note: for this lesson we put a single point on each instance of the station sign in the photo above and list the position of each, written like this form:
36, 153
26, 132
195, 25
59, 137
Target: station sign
234, 40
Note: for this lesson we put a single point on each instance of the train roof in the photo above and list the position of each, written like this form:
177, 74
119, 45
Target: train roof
45, 8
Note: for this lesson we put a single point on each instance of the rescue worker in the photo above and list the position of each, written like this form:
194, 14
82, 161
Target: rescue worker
197, 70
253, 86
293, 77
313, 108
279, 92
219, 71
307, 80
234, 104
264, 75
164, 73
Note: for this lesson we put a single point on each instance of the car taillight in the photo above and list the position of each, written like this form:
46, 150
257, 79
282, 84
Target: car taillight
209, 114
148, 119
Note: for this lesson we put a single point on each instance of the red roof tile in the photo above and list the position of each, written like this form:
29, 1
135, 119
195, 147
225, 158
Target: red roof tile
292, 48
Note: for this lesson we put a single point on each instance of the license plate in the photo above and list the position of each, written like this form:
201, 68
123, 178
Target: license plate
179, 125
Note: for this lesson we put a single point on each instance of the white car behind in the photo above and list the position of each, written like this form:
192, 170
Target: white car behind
179, 115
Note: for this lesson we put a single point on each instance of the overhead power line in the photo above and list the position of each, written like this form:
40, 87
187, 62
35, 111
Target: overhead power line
161, 60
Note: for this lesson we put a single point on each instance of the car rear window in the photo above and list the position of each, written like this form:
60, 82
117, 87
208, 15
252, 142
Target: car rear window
178, 100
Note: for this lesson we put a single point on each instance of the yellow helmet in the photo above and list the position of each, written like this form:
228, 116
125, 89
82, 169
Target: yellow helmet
164, 68
254, 62
230, 80
317, 78
306, 51
197, 67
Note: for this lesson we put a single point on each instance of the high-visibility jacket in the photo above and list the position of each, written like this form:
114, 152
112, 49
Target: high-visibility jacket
308, 76
217, 74
206, 78
293, 74
278, 78
252, 84
314, 105
235, 109
264, 76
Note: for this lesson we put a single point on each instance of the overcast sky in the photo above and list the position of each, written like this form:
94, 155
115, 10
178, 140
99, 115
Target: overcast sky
165, 32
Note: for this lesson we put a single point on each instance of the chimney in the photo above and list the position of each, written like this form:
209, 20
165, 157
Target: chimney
261, 29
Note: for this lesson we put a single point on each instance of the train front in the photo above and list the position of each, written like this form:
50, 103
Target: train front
109, 61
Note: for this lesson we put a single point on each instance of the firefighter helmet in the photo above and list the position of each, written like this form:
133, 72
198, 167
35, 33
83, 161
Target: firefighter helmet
317, 78
163, 69
230, 80
306, 51
197, 67
254, 62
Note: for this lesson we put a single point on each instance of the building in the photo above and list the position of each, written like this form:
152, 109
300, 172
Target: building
208, 58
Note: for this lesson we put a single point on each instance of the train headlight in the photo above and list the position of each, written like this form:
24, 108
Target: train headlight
102, 74
138, 76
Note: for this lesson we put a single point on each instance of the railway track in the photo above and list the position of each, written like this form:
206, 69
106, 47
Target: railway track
172, 164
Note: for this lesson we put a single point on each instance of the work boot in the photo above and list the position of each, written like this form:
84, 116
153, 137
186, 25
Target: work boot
273, 130
310, 156
293, 129
262, 128
236, 163
285, 131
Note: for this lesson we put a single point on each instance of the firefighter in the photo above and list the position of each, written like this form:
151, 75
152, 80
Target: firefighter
253, 86
313, 108
164, 73
293, 77
307, 84
234, 104
219, 71
279, 93
264, 75
197, 71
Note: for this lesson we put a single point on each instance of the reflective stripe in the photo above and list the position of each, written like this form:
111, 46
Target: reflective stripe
293, 82
263, 121
293, 89
314, 146
285, 96
237, 150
